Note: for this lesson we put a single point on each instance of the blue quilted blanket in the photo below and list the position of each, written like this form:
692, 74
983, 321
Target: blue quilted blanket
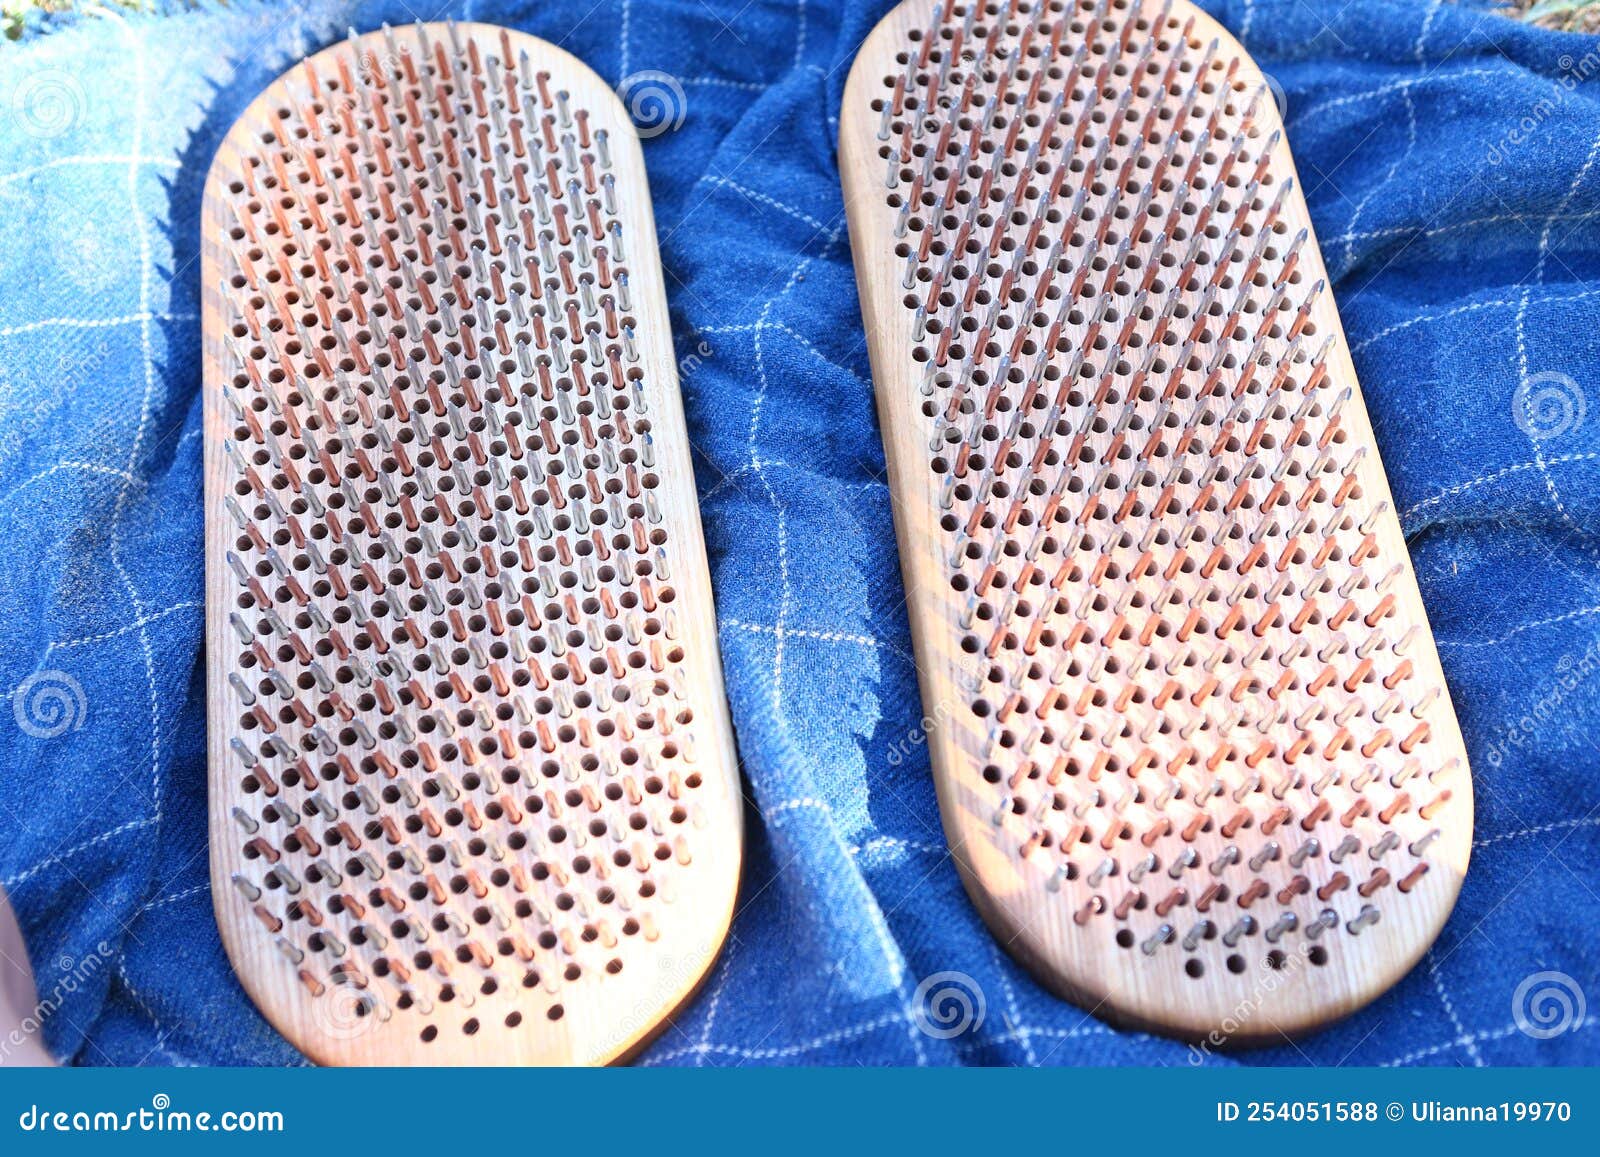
1450, 160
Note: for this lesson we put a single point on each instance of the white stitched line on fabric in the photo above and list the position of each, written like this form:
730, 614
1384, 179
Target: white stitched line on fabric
61, 857
798, 337
87, 467
622, 40
93, 322
133, 458
765, 463
137, 624
800, 33
1428, 318
1396, 86
1487, 479
787, 594
162, 1031
762, 198
1497, 219
795, 632
891, 955
1014, 1021
876, 842
882, 1022
1542, 829
144, 313
726, 971
1486, 1035
1578, 614
889, 950
724, 82
886, 944
60, 162
1450, 1010
1411, 144
163, 901
835, 1037
1247, 22
1522, 343
1427, 25
795, 804
1094, 1028
143, 230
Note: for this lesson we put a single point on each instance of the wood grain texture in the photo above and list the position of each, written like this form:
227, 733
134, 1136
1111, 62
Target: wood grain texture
473, 791
1193, 748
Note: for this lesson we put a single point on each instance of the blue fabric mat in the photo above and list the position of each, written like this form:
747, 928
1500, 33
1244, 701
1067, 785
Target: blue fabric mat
1449, 157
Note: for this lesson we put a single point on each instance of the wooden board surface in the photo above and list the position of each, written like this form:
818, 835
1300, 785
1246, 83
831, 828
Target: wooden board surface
1210, 786
473, 791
